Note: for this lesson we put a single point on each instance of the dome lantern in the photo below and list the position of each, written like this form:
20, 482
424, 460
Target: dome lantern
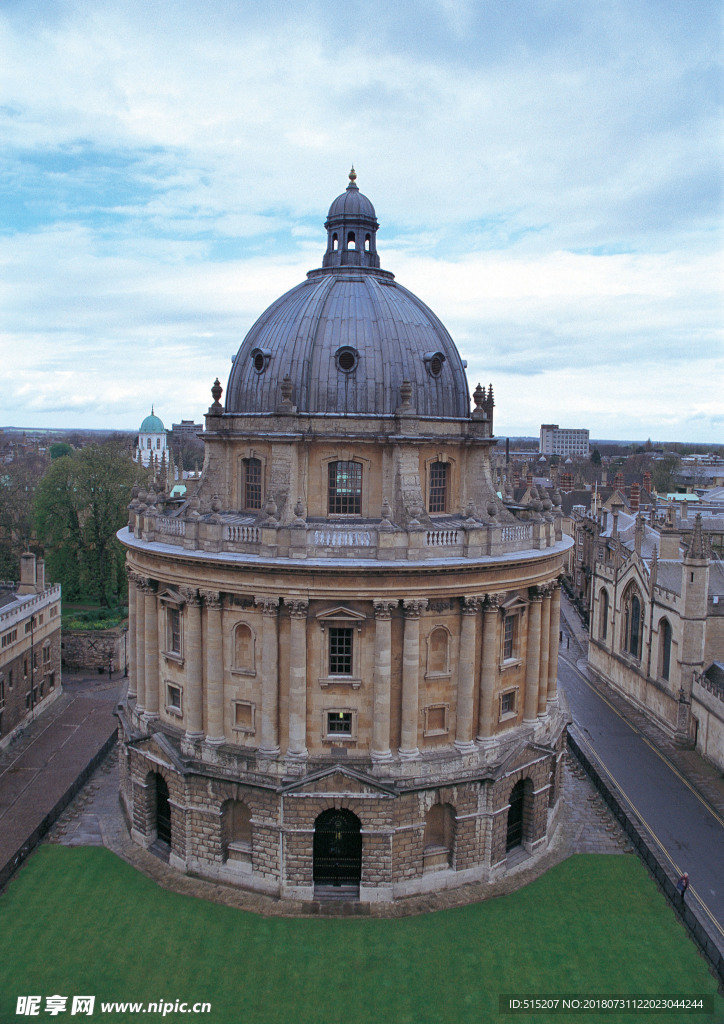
351, 230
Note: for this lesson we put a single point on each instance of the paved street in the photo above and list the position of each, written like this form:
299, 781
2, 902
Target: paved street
687, 819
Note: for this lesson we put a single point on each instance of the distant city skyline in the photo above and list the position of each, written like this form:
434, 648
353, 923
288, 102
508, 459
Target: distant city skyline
547, 177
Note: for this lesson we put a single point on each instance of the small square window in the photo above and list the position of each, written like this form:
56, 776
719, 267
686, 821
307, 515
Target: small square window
173, 697
244, 716
339, 723
507, 703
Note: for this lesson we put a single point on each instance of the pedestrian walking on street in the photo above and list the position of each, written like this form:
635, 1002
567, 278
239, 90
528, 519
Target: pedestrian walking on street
111, 666
683, 884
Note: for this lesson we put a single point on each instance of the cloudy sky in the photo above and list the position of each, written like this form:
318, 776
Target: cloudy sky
546, 173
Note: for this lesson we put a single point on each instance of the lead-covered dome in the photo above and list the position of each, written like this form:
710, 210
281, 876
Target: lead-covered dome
348, 336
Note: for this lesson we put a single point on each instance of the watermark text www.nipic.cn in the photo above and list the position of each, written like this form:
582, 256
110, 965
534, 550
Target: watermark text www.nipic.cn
85, 1006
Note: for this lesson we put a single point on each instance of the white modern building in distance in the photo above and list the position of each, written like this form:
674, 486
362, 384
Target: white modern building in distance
555, 440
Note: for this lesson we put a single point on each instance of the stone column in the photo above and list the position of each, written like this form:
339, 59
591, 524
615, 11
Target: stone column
553, 644
297, 747
140, 644
489, 673
466, 676
269, 739
545, 637
194, 692
532, 660
214, 668
131, 638
151, 655
410, 678
380, 750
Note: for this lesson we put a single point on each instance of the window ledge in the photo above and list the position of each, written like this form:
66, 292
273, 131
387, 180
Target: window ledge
243, 672
176, 712
438, 675
508, 716
174, 656
510, 663
248, 729
352, 681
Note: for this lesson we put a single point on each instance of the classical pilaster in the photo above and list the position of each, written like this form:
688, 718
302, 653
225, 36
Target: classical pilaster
140, 644
489, 673
466, 676
269, 739
131, 639
151, 653
194, 689
214, 668
410, 677
553, 644
532, 661
297, 747
380, 750
545, 637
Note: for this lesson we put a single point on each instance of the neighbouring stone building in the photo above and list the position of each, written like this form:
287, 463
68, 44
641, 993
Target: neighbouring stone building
657, 620
29, 646
343, 645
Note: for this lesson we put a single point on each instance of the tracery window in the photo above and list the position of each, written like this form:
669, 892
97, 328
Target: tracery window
632, 622
603, 616
664, 649
344, 494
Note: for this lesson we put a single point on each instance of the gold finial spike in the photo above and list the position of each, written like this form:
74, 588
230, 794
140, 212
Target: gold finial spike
353, 174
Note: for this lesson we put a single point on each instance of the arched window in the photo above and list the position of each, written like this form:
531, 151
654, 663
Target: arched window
438, 652
251, 485
158, 442
335, 242
519, 813
244, 649
664, 649
351, 244
367, 243
439, 837
344, 495
236, 832
337, 849
148, 443
603, 615
438, 494
163, 809
633, 622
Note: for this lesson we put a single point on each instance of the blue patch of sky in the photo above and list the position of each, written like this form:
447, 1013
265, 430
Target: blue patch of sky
77, 182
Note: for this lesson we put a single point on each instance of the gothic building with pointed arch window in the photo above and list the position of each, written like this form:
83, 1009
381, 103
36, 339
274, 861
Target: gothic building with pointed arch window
344, 643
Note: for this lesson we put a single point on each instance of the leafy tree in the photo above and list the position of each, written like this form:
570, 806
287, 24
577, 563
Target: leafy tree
18, 481
80, 504
596, 457
662, 474
59, 449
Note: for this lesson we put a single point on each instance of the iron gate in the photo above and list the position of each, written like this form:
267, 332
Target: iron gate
515, 817
337, 848
163, 811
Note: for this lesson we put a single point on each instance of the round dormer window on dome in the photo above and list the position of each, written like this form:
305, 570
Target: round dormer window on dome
347, 359
260, 359
434, 363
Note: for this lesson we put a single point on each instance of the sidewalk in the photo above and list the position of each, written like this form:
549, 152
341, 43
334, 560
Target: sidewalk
703, 776
44, 768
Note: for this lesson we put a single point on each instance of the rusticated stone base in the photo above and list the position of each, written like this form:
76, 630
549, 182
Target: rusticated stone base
257, 831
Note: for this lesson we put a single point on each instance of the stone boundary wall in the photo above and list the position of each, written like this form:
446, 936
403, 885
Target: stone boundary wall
8, 869
92, 649
691, 917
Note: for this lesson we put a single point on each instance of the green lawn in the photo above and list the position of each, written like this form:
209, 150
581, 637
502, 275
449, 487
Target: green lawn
79, 921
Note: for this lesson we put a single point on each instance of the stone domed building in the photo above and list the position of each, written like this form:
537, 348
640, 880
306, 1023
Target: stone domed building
344, 644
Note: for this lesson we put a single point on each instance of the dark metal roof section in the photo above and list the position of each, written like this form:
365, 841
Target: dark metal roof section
349, 304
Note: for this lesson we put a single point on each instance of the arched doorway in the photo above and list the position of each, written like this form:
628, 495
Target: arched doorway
515, 817
337, 849
163, 811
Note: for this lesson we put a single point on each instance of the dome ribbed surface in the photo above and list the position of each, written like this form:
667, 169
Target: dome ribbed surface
390, 329
352, 204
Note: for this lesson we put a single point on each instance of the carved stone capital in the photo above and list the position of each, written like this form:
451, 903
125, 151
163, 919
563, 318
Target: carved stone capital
268, 605
383, 609
146, 585
297, 609
412, 607
470, 605
211, 598
190, 595
535, 594
492, 602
